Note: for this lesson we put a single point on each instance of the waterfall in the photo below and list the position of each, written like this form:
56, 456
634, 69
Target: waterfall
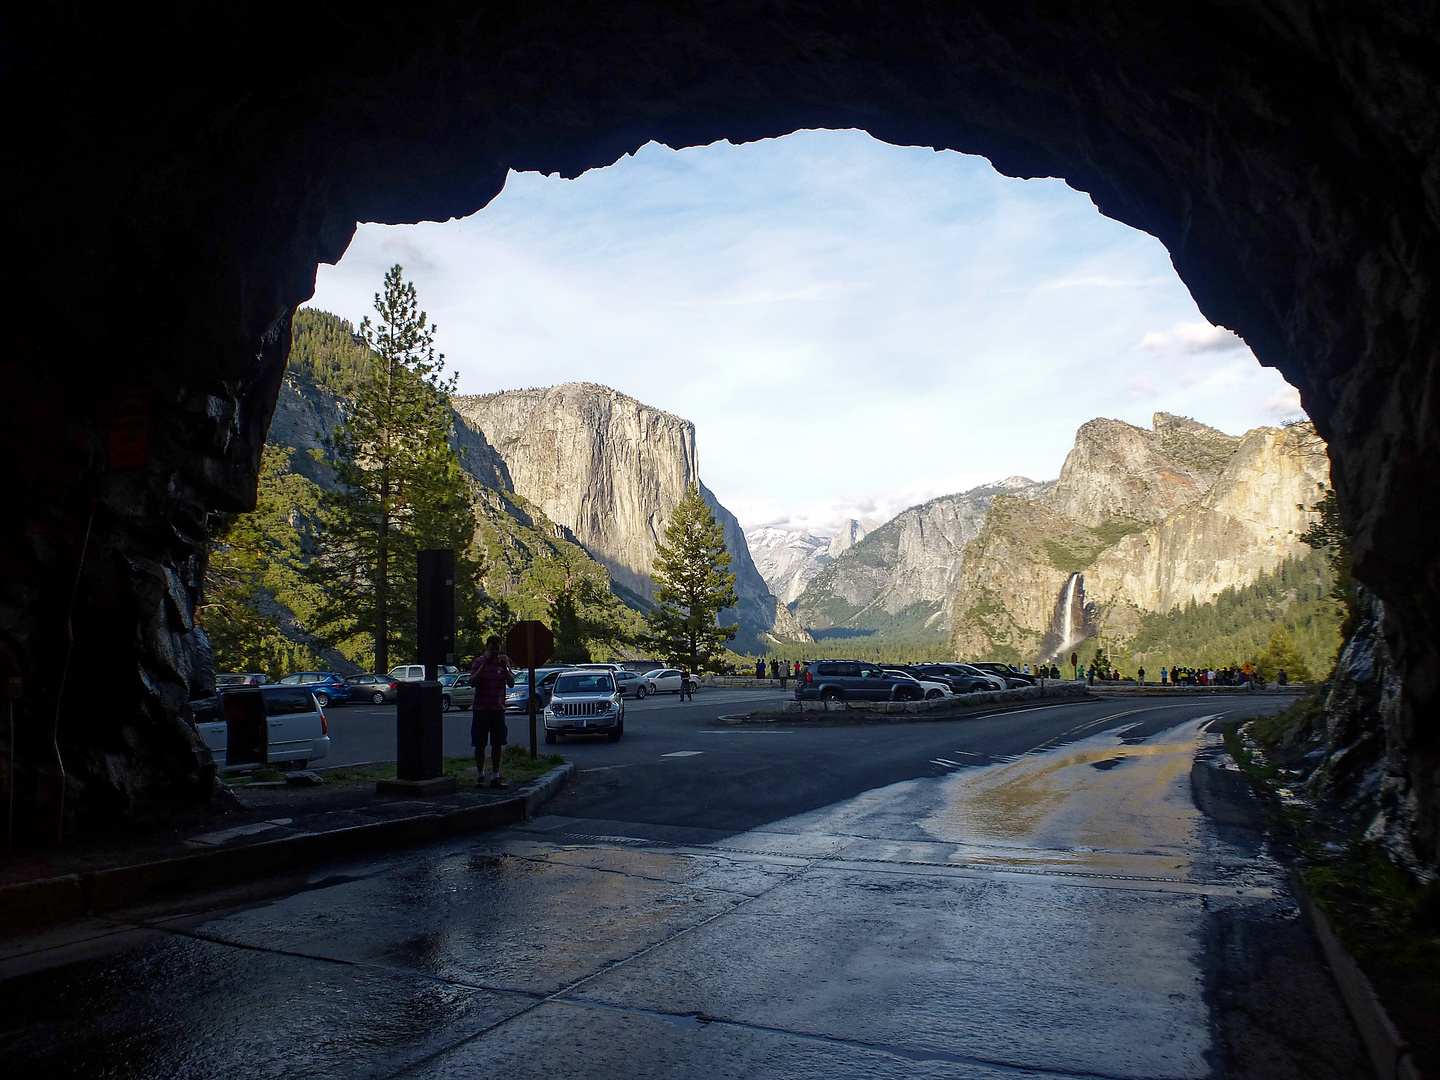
1073, 605
1067, 625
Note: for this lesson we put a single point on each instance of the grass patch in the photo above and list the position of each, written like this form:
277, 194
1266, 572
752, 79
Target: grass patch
1390, 923
1289, 725
1116, 529
515, 766
1068, 559
1258, 770
1387, 918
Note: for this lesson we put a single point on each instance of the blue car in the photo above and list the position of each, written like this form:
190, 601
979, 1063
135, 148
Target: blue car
327, 687
517, 699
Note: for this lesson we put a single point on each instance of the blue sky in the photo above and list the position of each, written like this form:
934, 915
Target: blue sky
853, 327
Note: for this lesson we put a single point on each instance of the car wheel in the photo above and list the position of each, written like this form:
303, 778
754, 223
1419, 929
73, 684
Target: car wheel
614, 736
377, 698
640, 693
550, 737
933, 694
296, 766
829, 695
445, 704
323, 698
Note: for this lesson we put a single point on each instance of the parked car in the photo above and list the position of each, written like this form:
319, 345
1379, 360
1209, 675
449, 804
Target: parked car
996, 682
842, 680
518, 697
585, 703
632, 684
456, 692
961, 680
416, 672
295, 719
327, 687
1014, 679
667, 681
933, 688
378, 688
223, 682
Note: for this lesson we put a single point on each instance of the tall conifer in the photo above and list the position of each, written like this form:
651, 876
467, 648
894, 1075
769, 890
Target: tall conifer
692, 585
401, 485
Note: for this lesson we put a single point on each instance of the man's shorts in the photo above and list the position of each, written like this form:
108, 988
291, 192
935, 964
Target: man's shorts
487, 728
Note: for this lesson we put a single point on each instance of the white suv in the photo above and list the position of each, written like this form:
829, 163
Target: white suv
585, 702
297, 729
416, 672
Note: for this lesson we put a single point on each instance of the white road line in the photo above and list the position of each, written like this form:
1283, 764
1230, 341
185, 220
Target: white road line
966, 753
684, 753
942, 761
743, 731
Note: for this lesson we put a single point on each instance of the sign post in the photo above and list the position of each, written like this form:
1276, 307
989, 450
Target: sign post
530, 643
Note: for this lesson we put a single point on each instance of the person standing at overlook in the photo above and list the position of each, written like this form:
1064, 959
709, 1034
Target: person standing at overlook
490, 675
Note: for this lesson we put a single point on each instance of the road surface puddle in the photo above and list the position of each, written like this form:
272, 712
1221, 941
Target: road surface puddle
1099, 805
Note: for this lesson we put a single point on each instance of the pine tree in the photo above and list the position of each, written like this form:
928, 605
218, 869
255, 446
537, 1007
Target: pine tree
1327, 534
583, 613
401, 485
1281, 654
692, 586
252, 557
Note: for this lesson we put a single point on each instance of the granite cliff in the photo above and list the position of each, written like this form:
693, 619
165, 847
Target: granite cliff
610, 469
788, 560
1138, 522
901, 578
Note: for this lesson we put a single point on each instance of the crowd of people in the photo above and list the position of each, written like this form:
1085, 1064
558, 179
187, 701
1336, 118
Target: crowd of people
1170, 674
1177, 675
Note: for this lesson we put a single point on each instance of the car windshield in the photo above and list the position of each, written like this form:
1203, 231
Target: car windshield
585, 683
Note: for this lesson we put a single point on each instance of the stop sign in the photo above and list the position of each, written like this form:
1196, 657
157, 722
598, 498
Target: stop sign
529, 644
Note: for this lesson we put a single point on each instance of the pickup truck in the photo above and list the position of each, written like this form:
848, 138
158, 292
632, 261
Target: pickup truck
298, 731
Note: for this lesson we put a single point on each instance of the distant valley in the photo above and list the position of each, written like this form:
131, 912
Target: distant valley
1141, 525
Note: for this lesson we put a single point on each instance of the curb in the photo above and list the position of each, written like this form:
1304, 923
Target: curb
31, 904
1389, 1053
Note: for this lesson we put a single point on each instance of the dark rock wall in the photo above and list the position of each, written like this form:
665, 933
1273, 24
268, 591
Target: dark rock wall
1362, 772
175, 173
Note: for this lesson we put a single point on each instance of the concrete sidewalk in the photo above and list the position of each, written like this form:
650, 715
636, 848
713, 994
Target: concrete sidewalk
270, 831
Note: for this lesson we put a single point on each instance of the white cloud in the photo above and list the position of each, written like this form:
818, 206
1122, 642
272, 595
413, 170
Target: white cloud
1142, 386
1192, 337
852, 327
1284, 404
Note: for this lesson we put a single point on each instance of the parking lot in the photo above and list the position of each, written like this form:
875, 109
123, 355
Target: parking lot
364, 733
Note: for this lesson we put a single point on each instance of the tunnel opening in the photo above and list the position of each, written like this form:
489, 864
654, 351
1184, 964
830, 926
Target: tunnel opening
180, 177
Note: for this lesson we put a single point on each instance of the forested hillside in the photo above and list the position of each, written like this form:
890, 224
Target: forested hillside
1240, 623
265, 603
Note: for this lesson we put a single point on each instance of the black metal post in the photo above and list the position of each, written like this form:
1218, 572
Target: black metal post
534, 749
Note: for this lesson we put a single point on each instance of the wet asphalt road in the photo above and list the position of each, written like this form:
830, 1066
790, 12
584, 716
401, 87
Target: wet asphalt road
364, 732
1031, 893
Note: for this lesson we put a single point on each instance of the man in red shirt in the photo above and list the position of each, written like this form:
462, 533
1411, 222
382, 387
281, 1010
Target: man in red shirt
490, 675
